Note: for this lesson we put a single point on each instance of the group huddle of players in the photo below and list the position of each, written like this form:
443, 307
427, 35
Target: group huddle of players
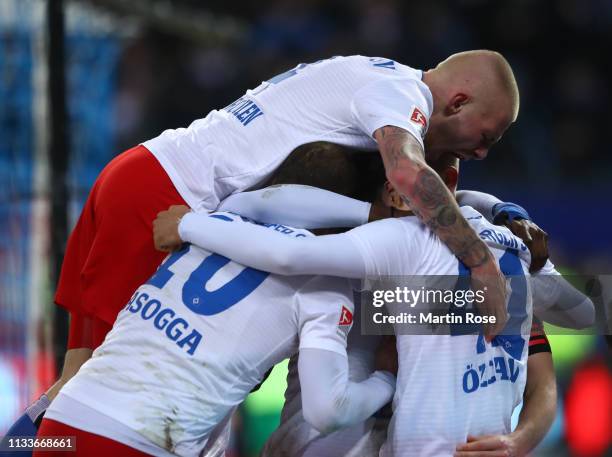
163, 349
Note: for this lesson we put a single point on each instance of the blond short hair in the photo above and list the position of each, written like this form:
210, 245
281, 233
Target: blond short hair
483, 68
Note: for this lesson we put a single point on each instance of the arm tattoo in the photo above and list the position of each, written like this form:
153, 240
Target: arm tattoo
431, 194
427, 195
397, 143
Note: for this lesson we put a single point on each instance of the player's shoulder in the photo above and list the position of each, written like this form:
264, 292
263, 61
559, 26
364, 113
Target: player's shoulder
383, 68
326, 283
383, 77
391, 234
389, 227
317, 295
419, 234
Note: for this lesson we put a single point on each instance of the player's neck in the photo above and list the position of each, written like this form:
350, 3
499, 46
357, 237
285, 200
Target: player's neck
380, 210
432, 81
400, 212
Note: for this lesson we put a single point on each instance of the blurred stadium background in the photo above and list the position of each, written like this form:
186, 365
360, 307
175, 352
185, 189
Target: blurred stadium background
136, 67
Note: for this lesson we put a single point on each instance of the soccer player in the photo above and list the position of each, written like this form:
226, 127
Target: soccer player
309, 207
384, 254
465, 104
194, 340
296, 437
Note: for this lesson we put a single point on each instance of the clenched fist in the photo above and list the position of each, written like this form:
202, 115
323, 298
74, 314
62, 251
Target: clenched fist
165, 228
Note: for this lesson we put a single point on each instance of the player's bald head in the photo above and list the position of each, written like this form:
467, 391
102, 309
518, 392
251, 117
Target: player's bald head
476, 98
487, 75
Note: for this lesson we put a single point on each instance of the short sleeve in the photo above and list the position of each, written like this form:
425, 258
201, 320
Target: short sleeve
325, 310
389, 247
401, 102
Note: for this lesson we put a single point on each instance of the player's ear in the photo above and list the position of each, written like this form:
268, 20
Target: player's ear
456, 103
395, 199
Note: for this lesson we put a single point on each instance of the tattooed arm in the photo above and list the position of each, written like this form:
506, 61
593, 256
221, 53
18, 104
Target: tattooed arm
427, 195
433, 203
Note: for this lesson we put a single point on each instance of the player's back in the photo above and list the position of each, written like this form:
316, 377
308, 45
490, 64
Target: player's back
432, 411
452, 383
238, 146
190, 345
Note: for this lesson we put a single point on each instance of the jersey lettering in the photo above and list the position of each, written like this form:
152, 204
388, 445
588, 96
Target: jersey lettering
244, 110
510, 339
382, 63
502, 238
164, 319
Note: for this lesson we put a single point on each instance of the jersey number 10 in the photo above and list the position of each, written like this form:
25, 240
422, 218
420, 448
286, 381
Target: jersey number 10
194, 293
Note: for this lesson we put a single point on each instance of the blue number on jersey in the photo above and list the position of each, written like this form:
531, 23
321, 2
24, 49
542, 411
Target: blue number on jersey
194, 293
510, 338
201, 301
163, 273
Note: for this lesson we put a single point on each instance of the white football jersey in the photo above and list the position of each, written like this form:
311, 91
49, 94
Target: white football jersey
449, 386
341, 100
295, 437
197, 337
430, 366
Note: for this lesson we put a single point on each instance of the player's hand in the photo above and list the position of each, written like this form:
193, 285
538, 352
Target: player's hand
386, 354
488, 278
165, 228
534, 237
490, 446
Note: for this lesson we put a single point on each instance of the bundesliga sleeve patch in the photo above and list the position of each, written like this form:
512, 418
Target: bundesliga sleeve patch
345, 323
418, 117
346, 317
